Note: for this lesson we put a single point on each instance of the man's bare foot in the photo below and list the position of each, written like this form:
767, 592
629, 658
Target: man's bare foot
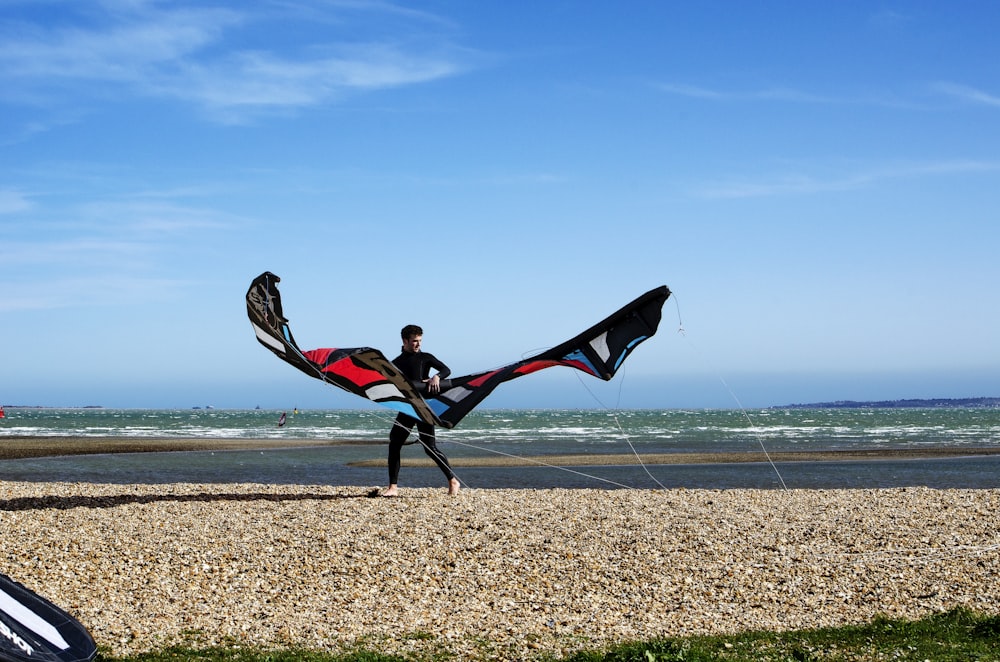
453, 486
391, 491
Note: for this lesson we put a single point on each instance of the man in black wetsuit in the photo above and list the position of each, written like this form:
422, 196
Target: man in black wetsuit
416, 366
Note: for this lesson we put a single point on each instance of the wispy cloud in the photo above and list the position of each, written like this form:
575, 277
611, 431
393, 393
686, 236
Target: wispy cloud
888, 18
777, 93
114, 51
957, 91
106, 234
693, 91
967, 94
806, 184
75, 252
764, 94
13, 202
14, 132
87, 291
107, 251
207, 55
266, 81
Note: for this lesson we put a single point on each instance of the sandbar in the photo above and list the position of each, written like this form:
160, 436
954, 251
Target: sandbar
18, 447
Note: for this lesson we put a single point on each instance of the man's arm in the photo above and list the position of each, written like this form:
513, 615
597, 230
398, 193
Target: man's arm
443, 371
434, 381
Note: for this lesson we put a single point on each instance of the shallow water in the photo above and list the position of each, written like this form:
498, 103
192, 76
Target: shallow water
526, 433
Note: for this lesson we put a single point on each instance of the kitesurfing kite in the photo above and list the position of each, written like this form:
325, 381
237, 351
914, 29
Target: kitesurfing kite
32, 628
598, 351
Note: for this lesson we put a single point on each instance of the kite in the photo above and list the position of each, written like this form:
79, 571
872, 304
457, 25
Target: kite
364, 371
32, 628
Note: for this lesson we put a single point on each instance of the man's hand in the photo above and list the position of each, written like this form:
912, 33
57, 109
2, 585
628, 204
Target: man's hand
434, 384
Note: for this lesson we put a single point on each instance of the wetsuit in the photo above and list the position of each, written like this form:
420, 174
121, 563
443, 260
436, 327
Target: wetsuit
416, 366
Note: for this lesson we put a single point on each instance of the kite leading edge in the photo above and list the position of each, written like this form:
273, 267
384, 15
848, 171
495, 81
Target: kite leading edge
364, 371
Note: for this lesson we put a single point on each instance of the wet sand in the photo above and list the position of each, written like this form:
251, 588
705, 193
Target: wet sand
15, 448
28, 447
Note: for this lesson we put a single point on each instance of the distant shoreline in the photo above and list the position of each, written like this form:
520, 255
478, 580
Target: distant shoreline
912, 403
51, 407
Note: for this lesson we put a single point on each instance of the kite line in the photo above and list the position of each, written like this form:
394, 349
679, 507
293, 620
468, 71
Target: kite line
753, 427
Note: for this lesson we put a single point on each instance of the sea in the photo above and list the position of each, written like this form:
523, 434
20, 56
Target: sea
601, 435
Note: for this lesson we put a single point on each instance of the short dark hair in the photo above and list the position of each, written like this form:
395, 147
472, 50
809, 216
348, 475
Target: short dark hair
411, 330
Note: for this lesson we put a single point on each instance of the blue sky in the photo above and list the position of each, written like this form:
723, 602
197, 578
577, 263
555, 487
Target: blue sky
818, 183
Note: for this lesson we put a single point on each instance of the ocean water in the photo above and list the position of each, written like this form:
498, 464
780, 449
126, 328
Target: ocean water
536, 433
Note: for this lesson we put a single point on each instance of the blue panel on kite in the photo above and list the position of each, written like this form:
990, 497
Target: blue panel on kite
598, 351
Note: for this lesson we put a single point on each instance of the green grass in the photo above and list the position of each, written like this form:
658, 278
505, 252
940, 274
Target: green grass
959, 635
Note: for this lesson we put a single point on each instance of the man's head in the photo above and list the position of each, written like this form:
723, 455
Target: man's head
411, 335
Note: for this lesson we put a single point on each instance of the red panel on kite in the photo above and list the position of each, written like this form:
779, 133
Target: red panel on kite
598, 351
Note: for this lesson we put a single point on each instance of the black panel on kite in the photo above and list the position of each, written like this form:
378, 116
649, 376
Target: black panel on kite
598, 351
32, 628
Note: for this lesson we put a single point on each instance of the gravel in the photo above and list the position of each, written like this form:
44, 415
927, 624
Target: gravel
489, 574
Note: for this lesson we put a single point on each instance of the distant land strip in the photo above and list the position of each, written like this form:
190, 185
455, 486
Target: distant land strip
943, 403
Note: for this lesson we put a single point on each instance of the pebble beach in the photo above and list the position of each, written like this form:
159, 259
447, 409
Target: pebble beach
491, 574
